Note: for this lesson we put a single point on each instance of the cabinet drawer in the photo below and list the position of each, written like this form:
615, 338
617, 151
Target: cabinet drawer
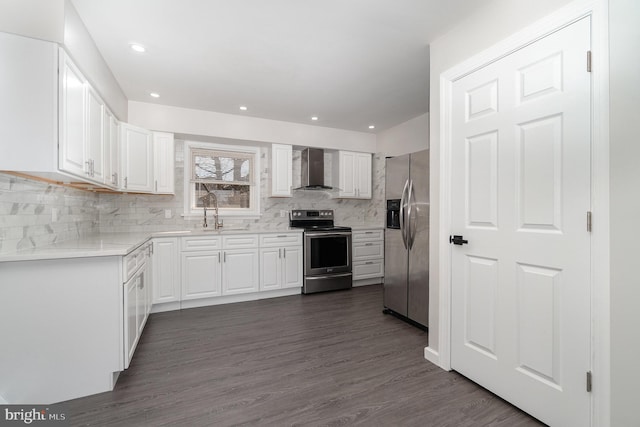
367, 250
240, 241
133, 260
368, 269
281, 239
201, 243
367, 235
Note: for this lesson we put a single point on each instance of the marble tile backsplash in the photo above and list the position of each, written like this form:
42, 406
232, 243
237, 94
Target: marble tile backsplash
128, 212
27, 207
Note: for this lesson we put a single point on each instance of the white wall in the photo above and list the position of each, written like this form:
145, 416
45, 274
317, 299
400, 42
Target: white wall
207, 123
407, 137
81, 47
495, 22
39, 19
624, 45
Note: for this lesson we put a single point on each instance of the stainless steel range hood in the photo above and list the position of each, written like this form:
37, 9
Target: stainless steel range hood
313, 170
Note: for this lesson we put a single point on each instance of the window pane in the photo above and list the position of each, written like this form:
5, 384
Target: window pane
229, 196
221, 167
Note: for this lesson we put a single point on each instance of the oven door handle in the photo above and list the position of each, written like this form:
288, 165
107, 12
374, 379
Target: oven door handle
327, 234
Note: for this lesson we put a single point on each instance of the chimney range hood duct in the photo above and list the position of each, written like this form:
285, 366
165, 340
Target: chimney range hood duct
313, 170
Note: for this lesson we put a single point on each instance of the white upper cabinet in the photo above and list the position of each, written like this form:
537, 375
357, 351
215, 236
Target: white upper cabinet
352, 173
111, 150
73, 157
281, 170
28, 105
163, 163
136, 159
95, 135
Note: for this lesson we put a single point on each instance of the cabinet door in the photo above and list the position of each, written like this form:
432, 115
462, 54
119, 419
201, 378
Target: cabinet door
72, 130
363, 175
136, 158
281, 170
166, 277
292, 267
95, 136
201, 274
240, 271
110, 141
270, 268
130, 320
347, 164
163, 166
141, 298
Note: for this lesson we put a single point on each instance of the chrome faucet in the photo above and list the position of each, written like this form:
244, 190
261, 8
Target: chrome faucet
206, 200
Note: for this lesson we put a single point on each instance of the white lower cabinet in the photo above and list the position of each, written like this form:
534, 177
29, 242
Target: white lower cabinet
137, 299
166, 270
280, 261
201, 274
368, 256
240, 271
280, 267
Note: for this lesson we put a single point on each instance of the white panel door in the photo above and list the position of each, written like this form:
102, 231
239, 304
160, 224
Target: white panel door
136, 158
292, 267
166, 270
363, 175
95, 136
347, 183
281, 170
520, 196
163, 163
201, 274
72, 118
270, 261
240, 271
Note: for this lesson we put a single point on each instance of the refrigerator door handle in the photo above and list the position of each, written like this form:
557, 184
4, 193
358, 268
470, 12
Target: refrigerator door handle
410, 231
403, 228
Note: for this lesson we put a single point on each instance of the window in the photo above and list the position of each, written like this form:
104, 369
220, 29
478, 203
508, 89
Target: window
229, 172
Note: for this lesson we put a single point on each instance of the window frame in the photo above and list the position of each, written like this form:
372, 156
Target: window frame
254, 200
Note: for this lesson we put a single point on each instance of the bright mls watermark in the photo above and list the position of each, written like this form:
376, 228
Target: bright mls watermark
34, 415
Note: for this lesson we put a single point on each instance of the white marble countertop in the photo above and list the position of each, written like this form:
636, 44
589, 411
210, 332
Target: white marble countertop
115, 244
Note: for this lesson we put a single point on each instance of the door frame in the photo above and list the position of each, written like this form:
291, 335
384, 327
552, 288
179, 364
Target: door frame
600, 283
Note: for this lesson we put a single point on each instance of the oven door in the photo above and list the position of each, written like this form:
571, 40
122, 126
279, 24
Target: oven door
327, 252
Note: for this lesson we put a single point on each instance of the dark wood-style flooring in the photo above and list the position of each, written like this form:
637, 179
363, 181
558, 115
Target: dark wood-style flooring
326, 359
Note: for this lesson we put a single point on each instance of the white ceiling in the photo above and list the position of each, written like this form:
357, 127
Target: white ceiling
350, 62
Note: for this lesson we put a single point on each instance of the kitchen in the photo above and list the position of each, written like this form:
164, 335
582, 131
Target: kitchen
86, 211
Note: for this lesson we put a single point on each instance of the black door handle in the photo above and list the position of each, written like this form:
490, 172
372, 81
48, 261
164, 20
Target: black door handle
457, 240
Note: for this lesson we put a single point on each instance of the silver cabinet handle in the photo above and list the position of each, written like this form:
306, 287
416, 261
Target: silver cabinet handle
224, 257
368, 244
126, 181
88, 171
368, 232
93, 168
281, 235
218, 257
156, 186
279, 253
369, 262
284, 252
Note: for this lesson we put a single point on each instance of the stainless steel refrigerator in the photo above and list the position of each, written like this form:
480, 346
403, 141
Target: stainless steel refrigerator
406, 244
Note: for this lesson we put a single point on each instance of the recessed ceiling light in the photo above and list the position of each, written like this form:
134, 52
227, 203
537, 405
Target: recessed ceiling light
243, 107
154, 95
372, 127
137, 47
314, 118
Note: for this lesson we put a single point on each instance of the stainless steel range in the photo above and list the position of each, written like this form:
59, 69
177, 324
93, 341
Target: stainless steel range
327, 251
